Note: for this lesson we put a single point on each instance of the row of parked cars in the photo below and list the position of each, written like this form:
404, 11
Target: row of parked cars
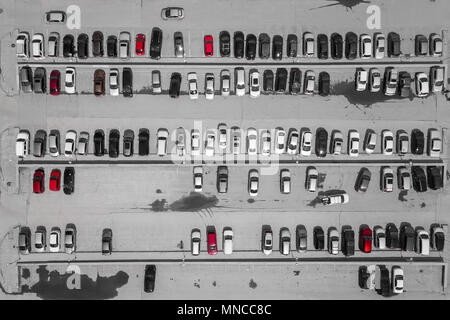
407, 239
399, 83
368, 274
250, 46
54, 180
278, 141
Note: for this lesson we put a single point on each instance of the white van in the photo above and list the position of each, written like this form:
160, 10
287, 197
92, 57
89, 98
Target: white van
422, 242
240, 81
227, 241
23, 143
124, 45
161, 144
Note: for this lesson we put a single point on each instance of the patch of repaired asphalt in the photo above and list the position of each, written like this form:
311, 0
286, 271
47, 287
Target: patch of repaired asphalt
252, 284
402, 195
53, 286
194, 202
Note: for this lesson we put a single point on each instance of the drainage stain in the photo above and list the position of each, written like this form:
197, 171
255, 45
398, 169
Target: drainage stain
402, 195
53, 285
423, 205
214, 283
251, 200
252, 284
296, 272
194, 202
158, 191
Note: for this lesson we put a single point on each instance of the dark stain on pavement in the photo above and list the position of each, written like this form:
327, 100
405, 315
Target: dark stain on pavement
26, 273
320, 180
252, 284
145, 90
214, 283
402, 195
53, 285
296, 272
348, 4
251, 200
194, 202
159, 205
197, 283
158, 191
423, 205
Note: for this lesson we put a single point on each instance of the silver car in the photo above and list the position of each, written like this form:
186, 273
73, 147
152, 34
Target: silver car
178, 44
124, 45
83, 143
70, 238
225, 78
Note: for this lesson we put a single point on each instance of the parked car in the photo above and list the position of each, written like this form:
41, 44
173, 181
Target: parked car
55, 82
83, 46
390, 81
437, 238
254, 84
175, 83
422, 242
40, 80
365, 239
277, 47
351, 45
111, 46
387, 138
124, 45
353, 143
285, 181
370, 142
195, 142
99, 83
367, 276
337, 46
236, 140
379, 236
280, 80
293, 141
53, 44
321, 142
403, 179
387, 179
337, 141
318, 237
54, 143
434, 145
239, 78
264, 46
37, 46
209, 86
417, 142
99, 143
55, 17
68, 46
435, 177
422, 85
306, 143
312, 175
291, 47
70, 239
156, 81
26, 79
392, 237
69, 180
419, 179
162, 136
322, 46
363, 180
225, 83
195, 242
436, 45
285, 241
155, 43
393, 44
308, 44
301, 238
404, 84
250, 47
24, 241
143, 141
114, 138
365, 46
227, 241
295, 81
421, 45
209, 46
38, 181
265, 143
40, 239
224, 43
279, 141
238, 44
172, 13
106, 241
114, 82
397, 279
374, 80
253, 182
22, 45
198, 178
335, 198
149, 278
69, 82
407, 237
212, 242
310, 78
127, 82
222, 179
181, 141
40, 143
97, 44
437, 79
178, 44
361, 79
324, 84
54, 240
83, 143
333, 241
379, 45
402, 142
128, 143
210, 142
348, 241
267, 243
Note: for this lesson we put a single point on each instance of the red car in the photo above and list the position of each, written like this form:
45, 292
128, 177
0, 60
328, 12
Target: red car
54, 82
212, 243
55, 180
38, 181
140, 44
209, 51
365, 240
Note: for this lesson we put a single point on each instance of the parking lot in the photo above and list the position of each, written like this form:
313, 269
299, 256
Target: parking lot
149, 201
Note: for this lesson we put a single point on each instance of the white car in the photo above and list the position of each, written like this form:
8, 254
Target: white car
83, 143
285, 181
69, 83
192, 85
124, 45
225, 83
333, 241
422, 84
312, 176
379, 235
23, 143
434, 146
114, 82
402, 142
240, 81
53, 44
223, 136
236, 140
53, 143
361, 80
390, 81
181, 142
37, 46
265, 143
195, 142
267, 243
210, 143
254, 84
437, 79
280, 141
337, 141
308, 44
293, 141
198, 179
371, 142
209, 86
422, 242
161, 143
374, 80
22, 42
397, 279
436, 45
387, 142
253, 182
353, 143
285, 241
40, 241
338, 198
54, 241
69, 146
379, 45
310, 78
403, 179
387, 179
306, 144
252, 141
365, 46
195, 242
172, 13
227, 241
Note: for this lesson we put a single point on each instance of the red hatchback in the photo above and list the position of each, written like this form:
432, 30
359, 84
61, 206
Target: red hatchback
140, 44
54, 82
38, 181
365, 240
209, 51
212, 243
55, 180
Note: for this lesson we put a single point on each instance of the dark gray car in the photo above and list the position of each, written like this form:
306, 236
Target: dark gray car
264, 46
106, 241
292, 43
363, 179
128, 141
26, 79
301, 238
39, 143
40, 81
178, 44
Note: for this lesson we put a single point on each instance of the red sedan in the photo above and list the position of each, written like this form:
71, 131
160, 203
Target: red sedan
55, 180
38, 181
209, 51
212, 243
140, 44
365, 240
54, 82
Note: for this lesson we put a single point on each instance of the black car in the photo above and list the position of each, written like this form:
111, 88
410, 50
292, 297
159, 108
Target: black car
384, 281
419, 179
392, 236
324, 83
321, 142
351, 45
277, 47
437, 238
69, 180
175, 82
268, 81
337, 46
281, 80
99, 143
114, 137
128, 143
348, 241
156, 43
264, 46
363, 180
149, 278
225, 43
144, 139
40, 80
318, 238
83, 46
127, 82
111, 46
421, 45
322, 46
407, 238
393, 44
295, 81
68, 46
417, 142
404, 84
97, 44
292, 44
238, 40
250, 48
434, 175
